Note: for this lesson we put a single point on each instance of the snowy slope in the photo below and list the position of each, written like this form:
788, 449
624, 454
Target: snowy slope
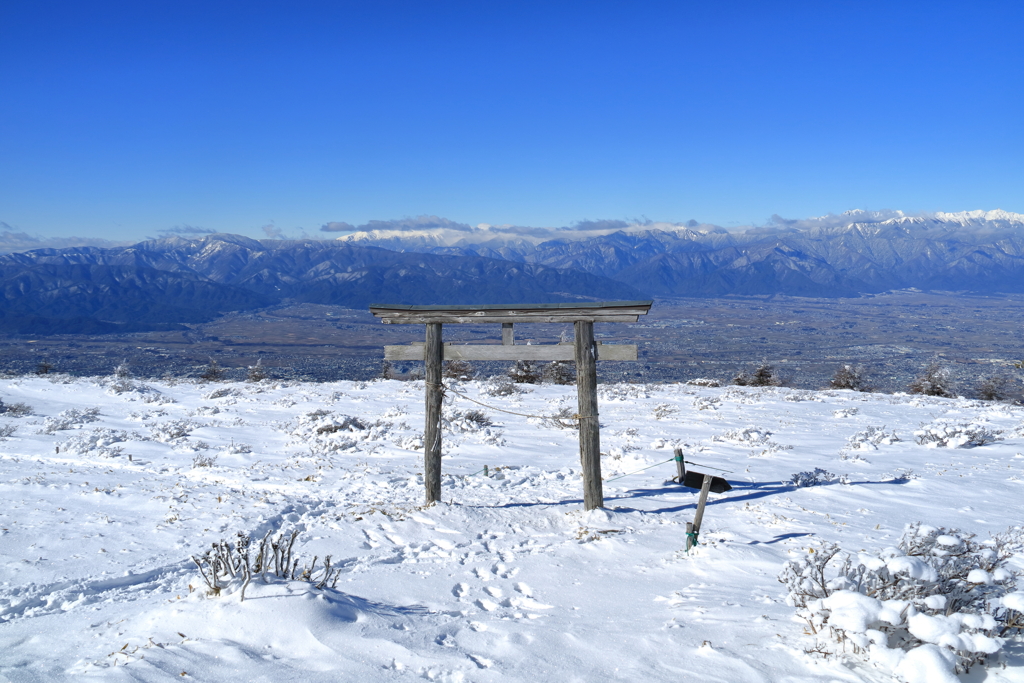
507, 580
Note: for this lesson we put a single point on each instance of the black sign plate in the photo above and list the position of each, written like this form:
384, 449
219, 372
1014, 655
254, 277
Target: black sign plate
695, 480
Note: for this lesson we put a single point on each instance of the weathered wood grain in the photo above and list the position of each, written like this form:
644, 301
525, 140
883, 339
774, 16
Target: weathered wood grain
701, 502
496, 352
418, 319
432, 431
590, 426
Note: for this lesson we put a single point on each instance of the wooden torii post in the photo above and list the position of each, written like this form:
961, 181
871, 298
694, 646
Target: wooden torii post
584, 351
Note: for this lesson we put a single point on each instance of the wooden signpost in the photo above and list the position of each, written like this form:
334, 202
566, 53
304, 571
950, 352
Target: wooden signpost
585, 351
695, 480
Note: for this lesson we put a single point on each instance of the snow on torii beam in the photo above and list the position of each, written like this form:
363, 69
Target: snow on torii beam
584, 350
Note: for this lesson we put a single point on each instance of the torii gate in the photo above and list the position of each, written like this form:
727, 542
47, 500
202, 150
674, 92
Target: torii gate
585, 352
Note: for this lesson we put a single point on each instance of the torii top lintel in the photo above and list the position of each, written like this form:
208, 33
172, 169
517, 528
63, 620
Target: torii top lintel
593, 311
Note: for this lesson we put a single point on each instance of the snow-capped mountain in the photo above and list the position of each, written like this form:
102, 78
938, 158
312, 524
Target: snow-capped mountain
845, 255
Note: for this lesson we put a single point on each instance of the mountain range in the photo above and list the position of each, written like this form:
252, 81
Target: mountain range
163, 283
167, 282
862, 252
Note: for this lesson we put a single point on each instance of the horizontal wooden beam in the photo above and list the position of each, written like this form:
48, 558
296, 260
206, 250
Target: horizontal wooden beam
608, 311
538, 352
422, 319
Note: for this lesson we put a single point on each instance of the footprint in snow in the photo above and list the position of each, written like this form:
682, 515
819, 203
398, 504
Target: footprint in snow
460, 590
486, 605
494, 591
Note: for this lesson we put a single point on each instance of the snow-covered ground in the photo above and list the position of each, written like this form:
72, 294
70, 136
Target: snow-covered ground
108, 487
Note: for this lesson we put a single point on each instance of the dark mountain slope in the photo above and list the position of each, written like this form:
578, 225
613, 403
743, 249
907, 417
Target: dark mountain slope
176, 280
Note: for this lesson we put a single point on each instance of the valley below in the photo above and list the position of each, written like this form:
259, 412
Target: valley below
893, 335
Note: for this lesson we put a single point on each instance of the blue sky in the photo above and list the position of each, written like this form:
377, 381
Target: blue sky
122, 120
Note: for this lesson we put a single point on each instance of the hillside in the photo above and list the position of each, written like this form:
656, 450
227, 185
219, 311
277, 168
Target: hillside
176, 280
110, 486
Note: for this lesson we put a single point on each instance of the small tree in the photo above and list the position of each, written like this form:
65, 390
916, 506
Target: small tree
44, 367
849, 377
995, 388
560, 372
387, 370
458, 369
213, 373
256, 373
524, 372
122, 379
937, 380
122, 371
764, 375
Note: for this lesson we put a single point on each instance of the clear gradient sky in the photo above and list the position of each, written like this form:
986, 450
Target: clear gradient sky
122, 120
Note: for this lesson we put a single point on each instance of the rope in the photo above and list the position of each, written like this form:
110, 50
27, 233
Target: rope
672, 459
690, 462
640, 470
554, 418
690, 536
557, 418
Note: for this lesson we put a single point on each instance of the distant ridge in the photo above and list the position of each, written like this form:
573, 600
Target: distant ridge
174, 281
164, 283
857, 252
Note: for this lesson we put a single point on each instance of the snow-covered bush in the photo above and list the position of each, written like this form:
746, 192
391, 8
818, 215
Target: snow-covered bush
256, 373
229, 567
995, 388
69, 419
223, 392
14, 409
950, 435
153, 396
818, 476
764, 375
663, 411
704, 382
936, 380
121, 382
524, 372
707, 403
871, 438
560, 372
849, 377
213, 372
323, 432
98, 442
166, 432
623, 392
564, 419
500, 386
203, 460
748, 436
465, 421
329, 424
6, 431
936, 604
457, 369
412, 443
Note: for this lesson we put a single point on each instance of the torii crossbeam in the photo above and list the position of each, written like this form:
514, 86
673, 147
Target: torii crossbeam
584, 350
